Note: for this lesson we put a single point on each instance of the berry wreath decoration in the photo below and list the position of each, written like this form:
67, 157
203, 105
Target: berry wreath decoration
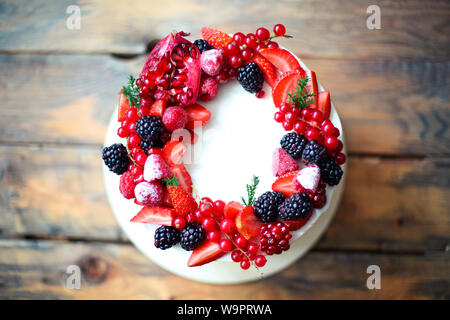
164, 98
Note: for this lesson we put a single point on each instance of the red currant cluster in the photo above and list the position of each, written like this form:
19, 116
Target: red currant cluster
274, 238
311, 123
248, 253
319, 198
243, 48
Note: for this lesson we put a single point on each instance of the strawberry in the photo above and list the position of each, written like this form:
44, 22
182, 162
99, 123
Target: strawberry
197, 116
281, 59
216, 38
231, 209
247, 223
270, 74
174, 118
183, 177
282, 162
312, 86
158, 107
124, 106
324, 103
284, 184
156, 168
126, 185
173, 152
208, 251
286, 83
297, 224
182, 201
155, 215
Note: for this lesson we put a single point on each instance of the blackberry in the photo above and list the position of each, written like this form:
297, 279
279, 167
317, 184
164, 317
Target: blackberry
294, 144
149, 127
266, 206
330, 171
251, 77
116, 158
147, 144
192, 236
313, 152
203, 45
297, 206
165, 237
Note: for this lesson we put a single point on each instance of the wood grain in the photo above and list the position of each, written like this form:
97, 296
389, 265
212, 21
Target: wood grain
388, 205
322, 28
37, 270
387, 107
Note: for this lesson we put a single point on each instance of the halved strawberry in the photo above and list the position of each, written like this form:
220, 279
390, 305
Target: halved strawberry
216, 38
173, 152
270, 74
297, 224
286, 83
124, 106
312, 86
208, 251
197, 116
183, 176
155, 215
284, 184
281, 58
231, 209
247, 223
158, 107
324, 103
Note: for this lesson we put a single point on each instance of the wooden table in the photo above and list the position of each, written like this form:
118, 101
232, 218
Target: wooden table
59, 88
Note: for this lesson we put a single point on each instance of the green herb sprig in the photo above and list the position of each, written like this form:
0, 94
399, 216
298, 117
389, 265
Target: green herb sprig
300, 97
131, 91
251, 188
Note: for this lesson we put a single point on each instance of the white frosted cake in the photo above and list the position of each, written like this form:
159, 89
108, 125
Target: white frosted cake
237, 143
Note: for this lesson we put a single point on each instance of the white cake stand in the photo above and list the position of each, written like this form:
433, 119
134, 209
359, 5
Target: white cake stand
223, 270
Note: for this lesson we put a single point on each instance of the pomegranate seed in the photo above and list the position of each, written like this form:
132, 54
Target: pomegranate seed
245, 264
262, 33
209, 224
340, 158
214, 236
236, 256
239, 38
260, 261
279, 30
179, 223
123, 132
225, 245
318, 200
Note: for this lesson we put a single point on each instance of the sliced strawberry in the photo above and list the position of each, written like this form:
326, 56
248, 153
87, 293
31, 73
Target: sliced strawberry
197, 116
324, 103
158, 107
247, 223
216, 38
155, 215
284, 184
124, 106
312, 86
286, 83
282, 59
173, 152
208, 251
231, 209
183, 176
166, 201
270, 74
297, 224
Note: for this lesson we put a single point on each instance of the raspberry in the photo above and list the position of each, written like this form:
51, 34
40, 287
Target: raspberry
156, 168
208, 88
174, 118
282, 162
127, 185
211, 62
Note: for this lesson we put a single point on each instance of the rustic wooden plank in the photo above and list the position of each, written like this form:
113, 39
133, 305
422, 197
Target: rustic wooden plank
386, 107
387, 205
37, 270
322, 28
